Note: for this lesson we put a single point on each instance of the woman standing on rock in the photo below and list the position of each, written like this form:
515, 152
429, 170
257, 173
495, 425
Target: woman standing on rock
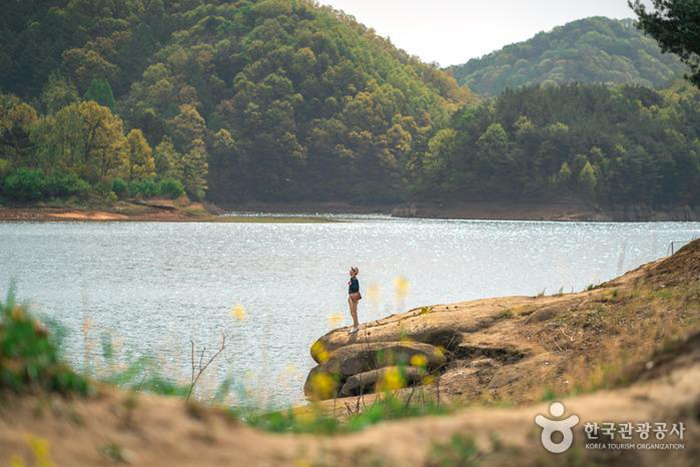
354, 297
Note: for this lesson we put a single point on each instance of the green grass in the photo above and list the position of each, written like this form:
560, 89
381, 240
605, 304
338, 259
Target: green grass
460, 451
505, 314
388, 408
143, 375
665, 294
29, 356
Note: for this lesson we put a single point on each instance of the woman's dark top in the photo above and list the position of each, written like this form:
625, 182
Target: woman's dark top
354, 285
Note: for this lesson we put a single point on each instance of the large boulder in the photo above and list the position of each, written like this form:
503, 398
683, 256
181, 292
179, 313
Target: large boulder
325, 380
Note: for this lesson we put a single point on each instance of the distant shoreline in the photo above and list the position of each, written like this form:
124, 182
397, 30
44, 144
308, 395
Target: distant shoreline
486, 210
562, 212
282, 212
128, 212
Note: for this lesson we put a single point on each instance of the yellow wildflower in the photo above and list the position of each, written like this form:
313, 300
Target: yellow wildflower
391, 380
334, 320
238, 312
401, 287
40, 449
322, 385
319, 352
419, 360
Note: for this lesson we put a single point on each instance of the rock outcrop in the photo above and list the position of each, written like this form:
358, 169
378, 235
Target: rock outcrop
514, 348
360, 368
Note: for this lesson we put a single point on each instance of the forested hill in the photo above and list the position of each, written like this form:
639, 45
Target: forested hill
591, 50
285, 99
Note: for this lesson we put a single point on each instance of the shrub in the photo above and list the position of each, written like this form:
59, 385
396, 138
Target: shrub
24, 184
171, 188
103, 188
120, 188
147, 188
29, 358
65, 184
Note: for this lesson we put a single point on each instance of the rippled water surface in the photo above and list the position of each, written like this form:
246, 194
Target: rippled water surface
155, 286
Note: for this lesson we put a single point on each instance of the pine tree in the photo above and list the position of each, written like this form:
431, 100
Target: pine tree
587, 180
101, 92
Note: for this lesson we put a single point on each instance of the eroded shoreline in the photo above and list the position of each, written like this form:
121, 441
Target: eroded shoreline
314, 212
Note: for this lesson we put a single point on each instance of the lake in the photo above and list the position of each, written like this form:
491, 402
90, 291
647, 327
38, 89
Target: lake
154, 287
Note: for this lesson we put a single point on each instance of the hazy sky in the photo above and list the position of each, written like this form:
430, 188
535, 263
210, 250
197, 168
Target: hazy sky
452, 31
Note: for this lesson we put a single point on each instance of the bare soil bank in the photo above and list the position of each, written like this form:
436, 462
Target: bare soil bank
119, 212
157, 211
168, 211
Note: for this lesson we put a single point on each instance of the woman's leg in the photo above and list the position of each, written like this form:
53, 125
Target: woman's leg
353, 312
351, 306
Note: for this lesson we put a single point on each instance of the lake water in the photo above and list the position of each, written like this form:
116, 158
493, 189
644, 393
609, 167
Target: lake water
155, 286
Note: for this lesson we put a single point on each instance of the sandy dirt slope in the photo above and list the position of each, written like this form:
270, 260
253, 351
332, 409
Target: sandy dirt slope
160, 431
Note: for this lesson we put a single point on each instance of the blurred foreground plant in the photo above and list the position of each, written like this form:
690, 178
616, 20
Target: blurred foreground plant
29, 359
316, 420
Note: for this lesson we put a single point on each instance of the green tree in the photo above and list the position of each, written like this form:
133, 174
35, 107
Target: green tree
140, 156
188, 126
587, 180
195, 169
101, 92
438, 160
168, 161
86, 139
58, 93
17, 119
493, 151
564, 176
675, 24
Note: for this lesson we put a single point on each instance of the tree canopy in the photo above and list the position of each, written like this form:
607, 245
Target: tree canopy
625, 145
591, 50
675, 24
287, 100
277, 98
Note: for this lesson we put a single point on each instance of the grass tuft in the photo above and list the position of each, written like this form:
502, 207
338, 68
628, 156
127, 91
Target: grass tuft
460, 451
319, 422
29, 358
